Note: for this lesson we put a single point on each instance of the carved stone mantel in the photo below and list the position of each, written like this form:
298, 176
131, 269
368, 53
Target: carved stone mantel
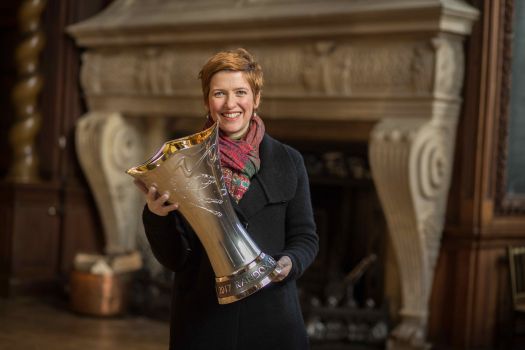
397, 65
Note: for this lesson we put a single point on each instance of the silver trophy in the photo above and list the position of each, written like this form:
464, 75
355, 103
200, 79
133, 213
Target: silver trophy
189, 170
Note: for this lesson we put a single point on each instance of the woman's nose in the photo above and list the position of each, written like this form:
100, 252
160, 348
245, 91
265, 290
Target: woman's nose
230, 101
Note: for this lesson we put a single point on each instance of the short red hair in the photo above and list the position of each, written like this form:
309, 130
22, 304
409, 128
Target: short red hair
238, 60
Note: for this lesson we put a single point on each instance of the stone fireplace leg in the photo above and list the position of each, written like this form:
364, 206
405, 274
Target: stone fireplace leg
107, 145
411, 165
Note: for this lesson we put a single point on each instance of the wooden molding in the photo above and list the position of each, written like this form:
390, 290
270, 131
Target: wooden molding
505, 204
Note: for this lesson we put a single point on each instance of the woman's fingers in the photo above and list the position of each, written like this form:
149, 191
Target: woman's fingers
152, 194
285, 266
167, 208
157, 203
160, 200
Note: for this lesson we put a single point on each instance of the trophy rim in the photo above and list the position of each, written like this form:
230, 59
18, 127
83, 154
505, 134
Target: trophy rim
168, 148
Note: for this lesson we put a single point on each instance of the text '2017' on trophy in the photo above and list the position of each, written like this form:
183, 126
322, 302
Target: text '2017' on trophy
189, 170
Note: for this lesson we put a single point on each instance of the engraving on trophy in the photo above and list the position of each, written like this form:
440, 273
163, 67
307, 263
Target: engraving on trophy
254, 278
226, 289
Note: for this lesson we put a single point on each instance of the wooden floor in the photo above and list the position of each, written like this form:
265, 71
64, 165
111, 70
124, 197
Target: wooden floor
31, 324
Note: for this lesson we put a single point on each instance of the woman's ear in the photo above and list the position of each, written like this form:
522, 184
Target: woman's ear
256, 101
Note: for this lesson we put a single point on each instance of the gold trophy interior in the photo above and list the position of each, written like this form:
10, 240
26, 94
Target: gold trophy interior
189, 170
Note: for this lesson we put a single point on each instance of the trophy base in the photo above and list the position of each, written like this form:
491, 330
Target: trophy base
247, 280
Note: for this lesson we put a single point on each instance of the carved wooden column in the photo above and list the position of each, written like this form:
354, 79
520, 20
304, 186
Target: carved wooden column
24, 164
411, 161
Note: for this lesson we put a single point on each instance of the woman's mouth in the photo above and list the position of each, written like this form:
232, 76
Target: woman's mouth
232, 115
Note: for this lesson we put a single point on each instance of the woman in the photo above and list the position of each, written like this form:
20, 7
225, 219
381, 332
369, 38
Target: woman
268, 185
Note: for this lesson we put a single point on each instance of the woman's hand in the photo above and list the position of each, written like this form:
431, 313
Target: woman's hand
285, 265
156, 202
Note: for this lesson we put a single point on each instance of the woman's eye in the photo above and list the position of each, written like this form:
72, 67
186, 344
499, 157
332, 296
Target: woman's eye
218, 94
241, 93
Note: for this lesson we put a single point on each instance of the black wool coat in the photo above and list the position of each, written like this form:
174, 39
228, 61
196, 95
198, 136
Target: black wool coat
277, 213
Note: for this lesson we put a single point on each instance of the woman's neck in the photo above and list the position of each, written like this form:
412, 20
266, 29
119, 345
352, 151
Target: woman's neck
239, 134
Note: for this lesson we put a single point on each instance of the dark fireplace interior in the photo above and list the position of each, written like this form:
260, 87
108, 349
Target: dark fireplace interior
342, 293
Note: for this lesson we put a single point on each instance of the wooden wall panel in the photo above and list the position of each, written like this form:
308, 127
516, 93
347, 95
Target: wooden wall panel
30, 235
452, 289
489, 271
81, 229
471, 300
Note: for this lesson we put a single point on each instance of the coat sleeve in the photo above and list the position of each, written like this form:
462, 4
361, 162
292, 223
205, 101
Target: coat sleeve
170, 238
301, 242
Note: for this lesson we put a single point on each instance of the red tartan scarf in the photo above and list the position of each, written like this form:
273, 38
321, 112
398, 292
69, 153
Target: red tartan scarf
240, 158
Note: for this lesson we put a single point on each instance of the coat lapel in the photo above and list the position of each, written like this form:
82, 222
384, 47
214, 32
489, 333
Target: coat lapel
269, 185
254, 199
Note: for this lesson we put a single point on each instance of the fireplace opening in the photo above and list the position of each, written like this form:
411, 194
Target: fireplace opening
342, 293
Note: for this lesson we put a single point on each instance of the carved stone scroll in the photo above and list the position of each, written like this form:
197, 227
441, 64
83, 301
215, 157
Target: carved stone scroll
22, 135
411, 162
107, 146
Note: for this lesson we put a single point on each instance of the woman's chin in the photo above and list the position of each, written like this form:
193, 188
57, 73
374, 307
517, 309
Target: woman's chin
229, 128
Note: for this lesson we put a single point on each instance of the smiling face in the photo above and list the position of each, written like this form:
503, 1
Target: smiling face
231, 102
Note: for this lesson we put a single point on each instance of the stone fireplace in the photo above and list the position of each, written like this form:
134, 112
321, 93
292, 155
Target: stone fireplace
387, 74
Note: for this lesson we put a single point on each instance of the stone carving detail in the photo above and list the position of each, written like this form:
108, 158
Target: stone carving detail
387, 68
432, 163
96, 80
283, 69
162, 72
411, 164
421, 68
321, 68
432, 223
107, 146
153, 71
450, 66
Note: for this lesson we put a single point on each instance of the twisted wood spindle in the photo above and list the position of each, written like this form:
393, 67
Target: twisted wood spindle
22, 135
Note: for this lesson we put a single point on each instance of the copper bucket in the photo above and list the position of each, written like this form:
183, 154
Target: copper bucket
98, 294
